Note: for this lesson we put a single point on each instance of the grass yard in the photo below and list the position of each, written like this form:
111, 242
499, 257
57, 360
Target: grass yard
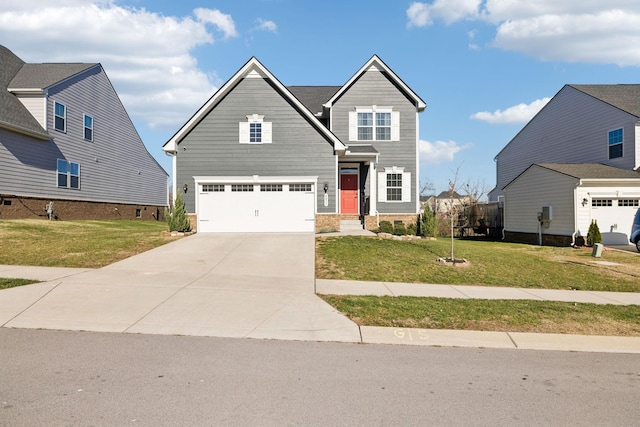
86, 244
12, 283
491, 264
490, 315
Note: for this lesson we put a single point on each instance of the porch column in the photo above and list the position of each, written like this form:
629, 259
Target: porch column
373, 187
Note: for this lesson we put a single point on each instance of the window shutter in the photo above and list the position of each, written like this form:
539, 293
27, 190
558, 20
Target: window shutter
266, 132
406, 186
382, 187
353, 126
244, 132
395, 125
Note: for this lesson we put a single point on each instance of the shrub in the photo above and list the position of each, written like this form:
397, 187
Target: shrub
177, 219
385, 227
399, 229
412, 229
428, 223
594, 236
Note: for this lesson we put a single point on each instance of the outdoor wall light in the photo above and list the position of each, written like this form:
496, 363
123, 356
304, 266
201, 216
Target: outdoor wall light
585, 201
185, 188
326, 187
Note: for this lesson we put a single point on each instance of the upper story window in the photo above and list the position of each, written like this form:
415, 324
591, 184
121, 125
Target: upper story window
374, 124
255, 130
88, 128
68, 174
615, 143
60, 117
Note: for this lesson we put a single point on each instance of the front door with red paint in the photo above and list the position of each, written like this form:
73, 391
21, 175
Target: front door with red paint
349, 194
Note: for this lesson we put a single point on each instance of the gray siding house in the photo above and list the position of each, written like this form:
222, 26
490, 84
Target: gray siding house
68, 149
577, 158
259, 156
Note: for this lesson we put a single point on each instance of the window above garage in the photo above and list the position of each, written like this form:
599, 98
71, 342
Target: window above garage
255, 130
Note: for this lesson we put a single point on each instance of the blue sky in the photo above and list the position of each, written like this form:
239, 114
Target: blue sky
484, 67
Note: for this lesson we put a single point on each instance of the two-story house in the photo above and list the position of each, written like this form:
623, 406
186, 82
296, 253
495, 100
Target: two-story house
575, 162
68, 149
259, 156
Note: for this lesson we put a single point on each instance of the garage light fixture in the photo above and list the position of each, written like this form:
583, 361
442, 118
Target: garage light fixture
185, 187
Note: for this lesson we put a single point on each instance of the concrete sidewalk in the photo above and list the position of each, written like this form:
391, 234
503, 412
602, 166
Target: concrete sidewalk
200, 287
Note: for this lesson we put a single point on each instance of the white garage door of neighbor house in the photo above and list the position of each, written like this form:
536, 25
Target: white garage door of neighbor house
615, 218
256, 208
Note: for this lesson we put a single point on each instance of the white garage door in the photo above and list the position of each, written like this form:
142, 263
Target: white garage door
615, 218
255, 208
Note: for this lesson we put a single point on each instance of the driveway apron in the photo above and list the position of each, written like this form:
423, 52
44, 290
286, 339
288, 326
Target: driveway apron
218, 284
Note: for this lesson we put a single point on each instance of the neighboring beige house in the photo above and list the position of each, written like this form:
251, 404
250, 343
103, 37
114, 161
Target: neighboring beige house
444, 202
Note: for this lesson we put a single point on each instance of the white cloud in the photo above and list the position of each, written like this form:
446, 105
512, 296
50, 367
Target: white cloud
520, 113
590, 31
267, 25
439, 151
146, 55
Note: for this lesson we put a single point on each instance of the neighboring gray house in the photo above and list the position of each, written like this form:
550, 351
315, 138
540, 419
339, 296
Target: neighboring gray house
585, 144
259, 156
68, 149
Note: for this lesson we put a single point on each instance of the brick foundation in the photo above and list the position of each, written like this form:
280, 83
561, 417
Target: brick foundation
532, 239
13, 207
371, 222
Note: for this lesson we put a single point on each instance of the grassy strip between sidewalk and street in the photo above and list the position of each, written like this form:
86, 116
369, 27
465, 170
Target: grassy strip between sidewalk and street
83, 244
12, 283
489, 264
490, 315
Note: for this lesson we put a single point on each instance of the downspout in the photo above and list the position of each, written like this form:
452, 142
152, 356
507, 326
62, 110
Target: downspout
575, 213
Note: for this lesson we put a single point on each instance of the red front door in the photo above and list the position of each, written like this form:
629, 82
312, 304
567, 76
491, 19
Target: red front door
349, 194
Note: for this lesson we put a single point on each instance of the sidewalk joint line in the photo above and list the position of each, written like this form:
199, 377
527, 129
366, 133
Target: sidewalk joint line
32, 304
512, 340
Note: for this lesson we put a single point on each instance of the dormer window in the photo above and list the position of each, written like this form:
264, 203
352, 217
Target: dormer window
60, 117
374, 124
255, 130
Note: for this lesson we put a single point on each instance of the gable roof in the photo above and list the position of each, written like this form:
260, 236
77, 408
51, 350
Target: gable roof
585, 172
378, 64
591, 171
253, 67
16, 76
626, 97
13, 115
42, 76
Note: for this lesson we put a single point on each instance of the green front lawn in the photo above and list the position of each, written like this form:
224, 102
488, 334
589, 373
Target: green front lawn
490, 264
86, 244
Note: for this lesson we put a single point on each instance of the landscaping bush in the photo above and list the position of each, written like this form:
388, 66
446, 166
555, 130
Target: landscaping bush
594, 236
177, 219
385, 227
399, 229
412, 230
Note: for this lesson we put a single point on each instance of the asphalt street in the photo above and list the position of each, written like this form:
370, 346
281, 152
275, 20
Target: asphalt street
106, 379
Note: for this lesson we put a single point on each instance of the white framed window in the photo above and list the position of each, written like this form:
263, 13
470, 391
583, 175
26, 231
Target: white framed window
88, 127
255, 130
601, 202
394, 185
634, 203
300, 187
270, 187
241, 187
60, 117
615, 139
68, 174
212, 188
374, 124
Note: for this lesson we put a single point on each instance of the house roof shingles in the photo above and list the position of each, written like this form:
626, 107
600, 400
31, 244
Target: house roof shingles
623, 96
313, 97
590, 171
41, 76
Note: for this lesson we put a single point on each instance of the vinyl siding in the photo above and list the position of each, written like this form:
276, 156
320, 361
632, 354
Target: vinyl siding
535, 188
36, 106
375, 88
573, 127
212, 148
115, 167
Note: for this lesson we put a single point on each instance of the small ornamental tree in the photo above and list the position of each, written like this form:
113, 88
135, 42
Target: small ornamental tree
594, 236
177, 219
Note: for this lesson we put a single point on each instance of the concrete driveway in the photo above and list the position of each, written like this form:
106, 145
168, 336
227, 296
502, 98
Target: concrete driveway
225, 285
